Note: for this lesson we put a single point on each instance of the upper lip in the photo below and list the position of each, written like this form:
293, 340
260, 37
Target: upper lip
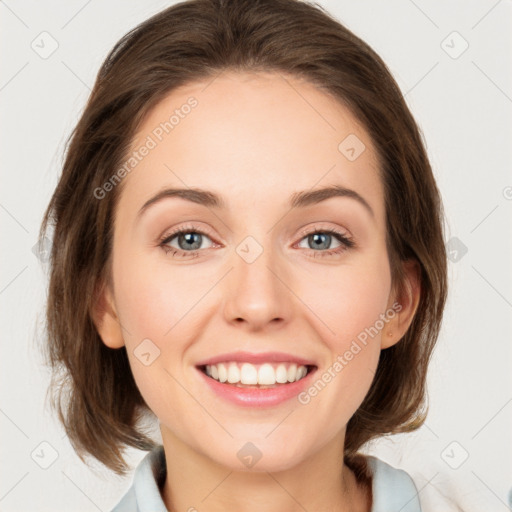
256, 358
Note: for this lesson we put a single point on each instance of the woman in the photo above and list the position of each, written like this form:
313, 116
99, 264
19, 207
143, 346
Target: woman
299, 323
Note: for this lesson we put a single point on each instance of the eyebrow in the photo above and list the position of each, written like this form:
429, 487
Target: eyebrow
297, 200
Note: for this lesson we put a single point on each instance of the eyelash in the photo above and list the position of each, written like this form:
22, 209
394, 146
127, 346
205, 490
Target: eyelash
346, 242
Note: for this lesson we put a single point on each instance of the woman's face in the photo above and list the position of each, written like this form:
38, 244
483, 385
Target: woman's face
256, 277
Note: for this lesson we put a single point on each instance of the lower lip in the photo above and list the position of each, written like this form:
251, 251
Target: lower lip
258, 397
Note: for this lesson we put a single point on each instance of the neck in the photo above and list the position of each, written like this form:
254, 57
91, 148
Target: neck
320, 482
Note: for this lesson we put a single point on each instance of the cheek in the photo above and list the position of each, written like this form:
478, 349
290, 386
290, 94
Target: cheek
347, 305
153, 298
152, 305
346, 300
161, 307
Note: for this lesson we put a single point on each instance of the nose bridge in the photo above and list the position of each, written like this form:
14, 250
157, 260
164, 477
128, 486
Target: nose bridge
257, 293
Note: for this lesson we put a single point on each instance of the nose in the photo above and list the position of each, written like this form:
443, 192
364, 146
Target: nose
257, 293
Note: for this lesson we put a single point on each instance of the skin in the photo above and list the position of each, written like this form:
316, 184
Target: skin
255, 139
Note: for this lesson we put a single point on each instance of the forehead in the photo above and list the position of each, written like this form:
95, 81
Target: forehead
252, 137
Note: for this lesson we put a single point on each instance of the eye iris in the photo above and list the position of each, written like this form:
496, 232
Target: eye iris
316, 239
190, 238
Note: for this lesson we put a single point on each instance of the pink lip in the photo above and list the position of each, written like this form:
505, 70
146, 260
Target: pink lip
258, 358
258, 397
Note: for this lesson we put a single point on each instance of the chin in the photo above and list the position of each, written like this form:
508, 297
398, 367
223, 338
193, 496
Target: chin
259, 455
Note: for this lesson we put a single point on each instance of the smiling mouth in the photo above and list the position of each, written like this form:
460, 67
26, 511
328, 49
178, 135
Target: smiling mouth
261, 376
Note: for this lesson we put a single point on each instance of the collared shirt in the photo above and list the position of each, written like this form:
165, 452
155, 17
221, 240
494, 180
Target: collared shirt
393, 489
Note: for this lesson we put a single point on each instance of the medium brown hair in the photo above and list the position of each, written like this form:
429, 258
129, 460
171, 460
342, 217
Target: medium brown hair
92, 387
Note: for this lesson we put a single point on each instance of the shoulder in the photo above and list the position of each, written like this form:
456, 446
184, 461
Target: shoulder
393, 489
144, 493
127, 503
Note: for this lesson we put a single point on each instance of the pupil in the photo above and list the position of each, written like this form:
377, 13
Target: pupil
316, 237
191, 238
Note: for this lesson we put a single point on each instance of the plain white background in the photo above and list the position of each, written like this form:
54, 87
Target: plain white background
462, 99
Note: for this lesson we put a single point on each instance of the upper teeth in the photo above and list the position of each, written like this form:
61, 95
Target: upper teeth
247, 373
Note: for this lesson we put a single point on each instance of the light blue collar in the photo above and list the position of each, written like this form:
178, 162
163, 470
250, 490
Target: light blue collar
393, 489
